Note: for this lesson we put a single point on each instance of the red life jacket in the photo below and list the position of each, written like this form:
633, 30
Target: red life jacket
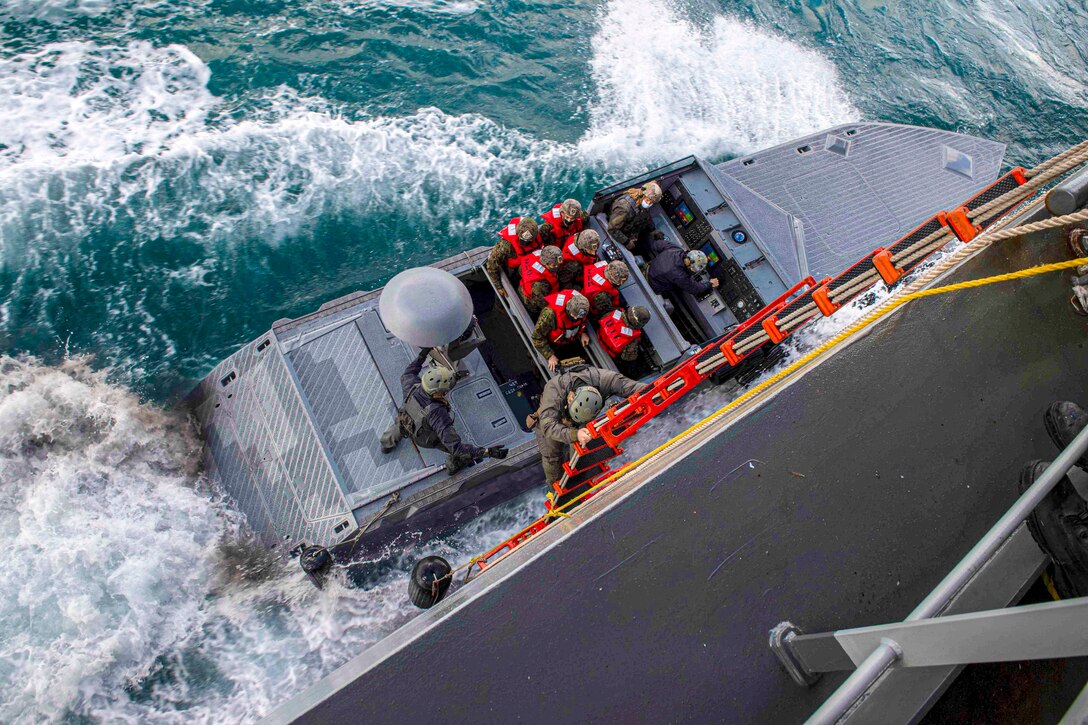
533, 270
566, 329
614, 333
571, 253
562, 230
594, 282
510, 234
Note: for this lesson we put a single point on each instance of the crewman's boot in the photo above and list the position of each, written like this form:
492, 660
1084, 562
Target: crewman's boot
391, 437
1064, 420
1059, 525
457, 463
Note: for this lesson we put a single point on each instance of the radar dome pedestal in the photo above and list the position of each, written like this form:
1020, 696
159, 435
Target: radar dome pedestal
426, 307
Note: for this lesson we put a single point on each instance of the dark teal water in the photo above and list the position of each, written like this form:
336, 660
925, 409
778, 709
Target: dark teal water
176, 175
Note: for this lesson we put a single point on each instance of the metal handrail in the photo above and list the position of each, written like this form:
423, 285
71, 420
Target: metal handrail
888, 653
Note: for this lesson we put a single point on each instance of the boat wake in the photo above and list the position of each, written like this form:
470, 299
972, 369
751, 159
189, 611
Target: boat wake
130, 190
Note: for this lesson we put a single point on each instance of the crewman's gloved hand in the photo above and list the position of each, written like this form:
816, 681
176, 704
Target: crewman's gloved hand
499, 452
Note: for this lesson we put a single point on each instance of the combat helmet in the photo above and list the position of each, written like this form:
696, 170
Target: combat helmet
617, 272
587, 241
551, 257
527, 228
438, 379
586, 405
636, 317
697, 261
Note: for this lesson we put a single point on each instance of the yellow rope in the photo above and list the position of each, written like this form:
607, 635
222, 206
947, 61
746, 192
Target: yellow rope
848, 332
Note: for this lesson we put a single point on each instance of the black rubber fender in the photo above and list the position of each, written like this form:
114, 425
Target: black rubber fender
429, 582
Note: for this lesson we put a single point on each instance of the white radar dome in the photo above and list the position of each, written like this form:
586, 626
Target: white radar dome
425, 307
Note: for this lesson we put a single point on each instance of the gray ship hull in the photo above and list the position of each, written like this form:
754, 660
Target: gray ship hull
876, 471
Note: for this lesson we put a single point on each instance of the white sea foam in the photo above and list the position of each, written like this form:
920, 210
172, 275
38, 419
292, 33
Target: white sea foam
440, 7
100, 134
53, 10
128, 592
668, 86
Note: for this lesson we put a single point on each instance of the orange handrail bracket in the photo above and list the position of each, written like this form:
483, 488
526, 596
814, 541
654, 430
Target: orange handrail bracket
957, 221
770, 326
1020, 174
730, 355
823, 301
882, 260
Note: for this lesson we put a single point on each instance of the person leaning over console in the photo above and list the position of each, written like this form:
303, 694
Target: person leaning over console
566, 405
672, 269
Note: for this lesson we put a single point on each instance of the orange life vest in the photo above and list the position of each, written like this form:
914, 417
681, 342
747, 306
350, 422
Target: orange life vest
594, 282
562, 230
615, 334
566, 329
510, 234
533, 270
571, 253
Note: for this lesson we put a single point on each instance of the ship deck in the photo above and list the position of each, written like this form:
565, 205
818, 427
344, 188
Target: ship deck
871, 476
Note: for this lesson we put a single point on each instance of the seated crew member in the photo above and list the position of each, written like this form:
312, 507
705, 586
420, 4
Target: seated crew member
672, 268
568, 402
518, 238
600, 285
425, 417
562, 221
538, 277
629, 220
579, 252
560, 324
619, 332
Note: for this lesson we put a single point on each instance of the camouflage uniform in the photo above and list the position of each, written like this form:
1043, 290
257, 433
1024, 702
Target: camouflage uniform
554, 429
536, 302
630, 353
544, 326
602, 304
628, 222
497, 260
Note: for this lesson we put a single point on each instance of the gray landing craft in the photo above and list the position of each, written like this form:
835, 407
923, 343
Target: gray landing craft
292, 420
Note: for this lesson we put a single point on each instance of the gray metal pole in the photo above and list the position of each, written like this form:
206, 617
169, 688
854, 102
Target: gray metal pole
984, 550
856, 685
888, 652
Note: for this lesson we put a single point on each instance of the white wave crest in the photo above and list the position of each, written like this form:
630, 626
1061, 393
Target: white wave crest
101, 525
668, 86
128, 595
103, 134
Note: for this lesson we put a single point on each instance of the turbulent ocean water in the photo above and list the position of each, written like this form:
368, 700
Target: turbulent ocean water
176, 175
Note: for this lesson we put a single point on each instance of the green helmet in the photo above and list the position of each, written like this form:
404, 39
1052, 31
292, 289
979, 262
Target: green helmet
577, 306
586, 405
637, 317
551, 257
697, 260
527, 228
617, 272
587, 241
571, 208
438, 379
